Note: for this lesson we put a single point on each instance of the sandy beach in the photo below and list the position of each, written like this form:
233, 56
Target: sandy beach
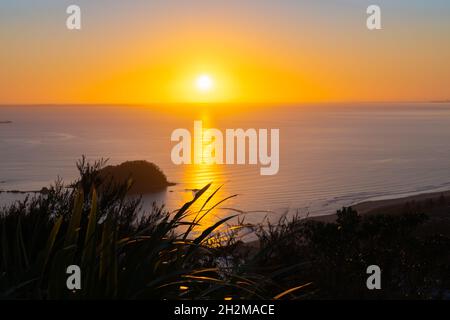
435, 205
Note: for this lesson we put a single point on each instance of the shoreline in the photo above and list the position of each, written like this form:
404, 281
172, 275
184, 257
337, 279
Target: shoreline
435, 204
432, 203
364, 207
395, 205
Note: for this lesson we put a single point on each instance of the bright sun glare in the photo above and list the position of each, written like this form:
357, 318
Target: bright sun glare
204, 83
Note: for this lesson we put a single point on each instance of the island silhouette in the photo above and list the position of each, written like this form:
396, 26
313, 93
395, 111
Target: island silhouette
144, 177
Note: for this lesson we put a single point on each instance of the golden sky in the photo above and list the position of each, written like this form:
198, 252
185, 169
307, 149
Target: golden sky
256, 51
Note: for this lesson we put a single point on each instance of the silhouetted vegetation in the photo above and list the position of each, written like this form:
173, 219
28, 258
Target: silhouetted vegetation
125, 253
122, 254
335, 256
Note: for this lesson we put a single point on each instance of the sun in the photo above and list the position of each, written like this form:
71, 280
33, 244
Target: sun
210, 84
204, 83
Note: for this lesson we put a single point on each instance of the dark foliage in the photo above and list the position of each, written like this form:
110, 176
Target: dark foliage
125, 253
335, 256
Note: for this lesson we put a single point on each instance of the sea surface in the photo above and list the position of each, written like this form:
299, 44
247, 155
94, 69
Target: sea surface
330, 155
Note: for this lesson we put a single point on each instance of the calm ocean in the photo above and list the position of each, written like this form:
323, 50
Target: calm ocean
330, 155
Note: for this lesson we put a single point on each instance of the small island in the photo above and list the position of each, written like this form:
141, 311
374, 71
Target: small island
5, 122
146, 177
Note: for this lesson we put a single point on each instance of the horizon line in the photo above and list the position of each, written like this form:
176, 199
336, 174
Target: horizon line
287, 103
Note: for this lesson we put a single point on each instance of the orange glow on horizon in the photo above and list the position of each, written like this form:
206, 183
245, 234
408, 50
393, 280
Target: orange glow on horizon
290, 60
